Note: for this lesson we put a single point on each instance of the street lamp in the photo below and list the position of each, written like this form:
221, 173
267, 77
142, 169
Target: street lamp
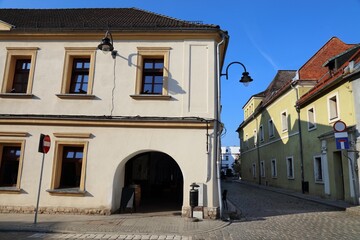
245, 79
107, 44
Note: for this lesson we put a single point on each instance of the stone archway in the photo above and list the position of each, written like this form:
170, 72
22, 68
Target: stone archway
160, 180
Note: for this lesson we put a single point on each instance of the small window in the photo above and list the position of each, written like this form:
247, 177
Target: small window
262, 169
226, 158
333, 108
318, 170
19, 72
10, 164
255, 137
261, 132
284, 121
271, 129
254, 170
80, 76
311, 119
69, 167
273, 168
152, 74
290, 167
78, 73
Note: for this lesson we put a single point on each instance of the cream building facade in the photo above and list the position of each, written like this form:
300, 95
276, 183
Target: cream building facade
142, 115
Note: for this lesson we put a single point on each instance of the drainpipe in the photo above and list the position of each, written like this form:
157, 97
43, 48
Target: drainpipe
300, 139
217, 89
258, 148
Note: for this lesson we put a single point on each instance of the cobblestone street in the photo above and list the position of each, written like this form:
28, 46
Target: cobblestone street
271, 215
262, 213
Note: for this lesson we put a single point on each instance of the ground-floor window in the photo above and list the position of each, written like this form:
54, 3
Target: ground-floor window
318, 169
273, 168
254, 170
10, 164
290, 167
69, 166
262, 168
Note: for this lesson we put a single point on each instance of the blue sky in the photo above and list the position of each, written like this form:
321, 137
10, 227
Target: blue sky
265, 35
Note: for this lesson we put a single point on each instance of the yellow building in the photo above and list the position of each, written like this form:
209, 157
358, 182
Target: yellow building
288, 128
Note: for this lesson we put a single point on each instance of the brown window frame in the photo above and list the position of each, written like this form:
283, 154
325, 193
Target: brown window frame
153, 72
83, 73
19, 145
15, 55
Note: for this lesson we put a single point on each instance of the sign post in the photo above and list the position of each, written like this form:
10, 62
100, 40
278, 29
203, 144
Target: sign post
341, 136
44, 147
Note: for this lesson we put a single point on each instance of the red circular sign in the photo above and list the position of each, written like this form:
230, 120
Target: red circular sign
339, 126
46, 143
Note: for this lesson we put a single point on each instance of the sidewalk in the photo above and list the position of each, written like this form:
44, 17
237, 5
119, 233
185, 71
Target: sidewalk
126, 224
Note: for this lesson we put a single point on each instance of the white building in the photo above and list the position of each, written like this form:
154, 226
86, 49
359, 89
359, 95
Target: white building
228, 156
142, 114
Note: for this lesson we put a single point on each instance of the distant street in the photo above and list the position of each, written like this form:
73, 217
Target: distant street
263, 214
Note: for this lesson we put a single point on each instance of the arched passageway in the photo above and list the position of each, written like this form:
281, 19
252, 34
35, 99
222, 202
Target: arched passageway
160, 180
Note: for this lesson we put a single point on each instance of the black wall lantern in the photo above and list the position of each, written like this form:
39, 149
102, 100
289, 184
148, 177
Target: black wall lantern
245, 79
107, 43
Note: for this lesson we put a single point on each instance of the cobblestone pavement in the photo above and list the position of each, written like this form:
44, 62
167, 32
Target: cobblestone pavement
270, 215
261, 214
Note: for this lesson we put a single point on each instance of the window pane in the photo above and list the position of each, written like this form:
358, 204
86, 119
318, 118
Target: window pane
9, 167
148, 79
148, 65
80, 76
159, 65
21, 76
152, 79
71, 167
158, 89
158, 79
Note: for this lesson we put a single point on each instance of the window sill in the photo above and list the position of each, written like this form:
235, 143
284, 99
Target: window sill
16, 95
9, 190
311, 129
75, 96
66, 192
150, 97
319, 182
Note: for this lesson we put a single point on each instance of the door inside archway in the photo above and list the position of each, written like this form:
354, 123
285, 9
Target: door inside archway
160, 180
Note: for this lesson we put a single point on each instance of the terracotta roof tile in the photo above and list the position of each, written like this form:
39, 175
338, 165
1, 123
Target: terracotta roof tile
313, 69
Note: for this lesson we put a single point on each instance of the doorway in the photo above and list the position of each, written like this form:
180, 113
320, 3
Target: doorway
338, 176
159, 180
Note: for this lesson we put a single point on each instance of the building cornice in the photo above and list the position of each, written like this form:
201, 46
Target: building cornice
108, 121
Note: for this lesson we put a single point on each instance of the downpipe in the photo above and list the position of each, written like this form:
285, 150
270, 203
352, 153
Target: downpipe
216, 124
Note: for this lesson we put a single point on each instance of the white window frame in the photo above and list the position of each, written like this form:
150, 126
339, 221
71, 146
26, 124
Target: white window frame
317, 161
271, 128
261, 133
290, 167
247, 140
331, 115
262, 169
254, 170
273, 168
311, 122
255, 137
284, 121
